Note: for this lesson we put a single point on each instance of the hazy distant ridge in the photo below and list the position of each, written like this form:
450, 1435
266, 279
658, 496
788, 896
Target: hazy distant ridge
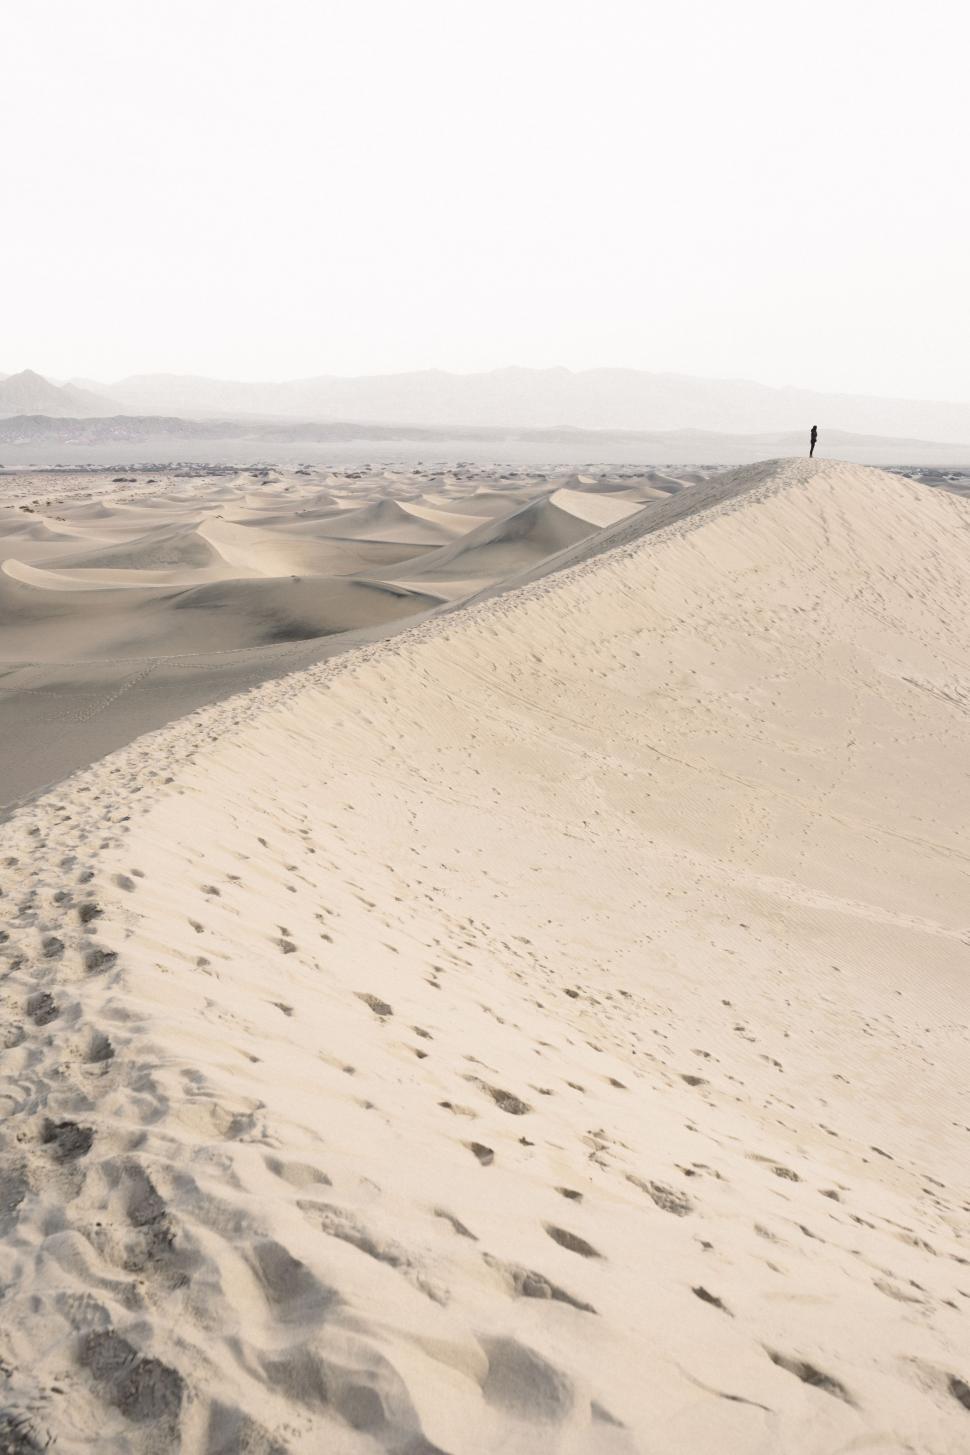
30, 393
625, 399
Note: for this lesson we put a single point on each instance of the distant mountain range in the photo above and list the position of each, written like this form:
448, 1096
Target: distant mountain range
30, 393
595, 399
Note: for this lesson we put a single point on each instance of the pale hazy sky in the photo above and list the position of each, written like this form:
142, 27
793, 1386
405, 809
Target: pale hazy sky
277, 188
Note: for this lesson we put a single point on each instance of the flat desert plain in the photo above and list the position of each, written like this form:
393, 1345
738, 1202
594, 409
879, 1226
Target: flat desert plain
541, 1029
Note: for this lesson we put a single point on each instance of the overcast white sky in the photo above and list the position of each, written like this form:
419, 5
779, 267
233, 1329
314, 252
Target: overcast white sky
269, 189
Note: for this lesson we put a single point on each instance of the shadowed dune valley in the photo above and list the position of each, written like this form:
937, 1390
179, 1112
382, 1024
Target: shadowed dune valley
484, 960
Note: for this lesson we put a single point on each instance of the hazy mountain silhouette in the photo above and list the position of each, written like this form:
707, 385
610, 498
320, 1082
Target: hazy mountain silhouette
30, 393
626, 399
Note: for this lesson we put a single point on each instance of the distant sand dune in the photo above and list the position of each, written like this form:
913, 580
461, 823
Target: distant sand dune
103, 634
64, 577
543, 1032
277, 553
31, 530
452, 522
385, 521
55, 617
481, 503
498, 548
164, 547
596, 509
250, 611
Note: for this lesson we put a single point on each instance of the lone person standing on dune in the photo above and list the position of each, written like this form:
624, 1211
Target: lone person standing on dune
814, 437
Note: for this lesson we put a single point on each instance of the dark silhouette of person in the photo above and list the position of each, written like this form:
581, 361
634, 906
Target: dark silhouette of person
814, 437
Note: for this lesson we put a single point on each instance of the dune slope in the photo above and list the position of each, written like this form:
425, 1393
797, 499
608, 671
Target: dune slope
495, 550
104, 636
542, 1032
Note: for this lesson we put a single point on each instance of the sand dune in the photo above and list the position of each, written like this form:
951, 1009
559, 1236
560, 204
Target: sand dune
21, 529
501, 547
242, 613
595, 509
304, 519
126, 646
62, 618
38, 541
545, 1031
452, 522
482, 503
278, 553
50, 578
96, 510
387, 520
162, 548
50, 617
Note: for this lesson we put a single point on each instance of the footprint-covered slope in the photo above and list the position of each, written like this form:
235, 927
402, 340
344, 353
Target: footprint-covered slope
542, 1032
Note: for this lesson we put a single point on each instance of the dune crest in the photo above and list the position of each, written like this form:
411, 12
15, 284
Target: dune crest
544, 1031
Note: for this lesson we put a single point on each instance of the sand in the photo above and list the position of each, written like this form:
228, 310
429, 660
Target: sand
127, 600
544, 1030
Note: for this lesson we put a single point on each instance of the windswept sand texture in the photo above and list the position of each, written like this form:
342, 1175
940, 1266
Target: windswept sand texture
544, 1032
127, 600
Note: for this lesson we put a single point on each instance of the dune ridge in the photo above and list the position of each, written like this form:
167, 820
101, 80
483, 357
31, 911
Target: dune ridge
540, 1032
129, 600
